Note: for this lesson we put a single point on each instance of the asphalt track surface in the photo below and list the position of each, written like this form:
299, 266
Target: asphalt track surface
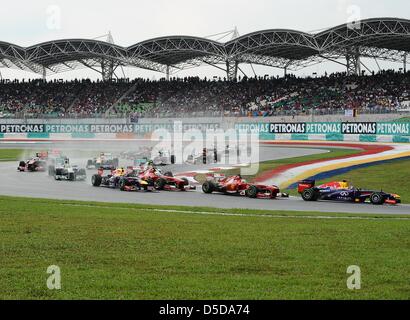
40, 185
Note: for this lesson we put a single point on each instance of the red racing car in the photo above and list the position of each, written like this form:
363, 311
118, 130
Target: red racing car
239, 186
37, 163
165, 181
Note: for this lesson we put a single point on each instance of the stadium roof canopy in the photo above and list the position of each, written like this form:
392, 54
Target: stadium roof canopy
380, 38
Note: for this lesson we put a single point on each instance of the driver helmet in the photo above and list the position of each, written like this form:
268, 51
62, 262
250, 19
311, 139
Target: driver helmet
120, 171
344, 184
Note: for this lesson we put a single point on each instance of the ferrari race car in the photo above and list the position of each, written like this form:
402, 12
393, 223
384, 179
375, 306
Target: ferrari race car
125, 180
61, 169
341, 191
165, 181
105, 161
239, 186
37, 163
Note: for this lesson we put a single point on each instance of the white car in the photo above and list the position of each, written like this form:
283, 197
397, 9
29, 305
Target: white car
63, 170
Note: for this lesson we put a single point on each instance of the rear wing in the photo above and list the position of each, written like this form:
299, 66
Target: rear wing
305, 184
42, 154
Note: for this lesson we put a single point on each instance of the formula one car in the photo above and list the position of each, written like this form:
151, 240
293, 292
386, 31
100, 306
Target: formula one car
165, 181
341, 191
125, 180
37, 163
105, 161
239, 186
61, 169
207, 156
164, 158
140, 153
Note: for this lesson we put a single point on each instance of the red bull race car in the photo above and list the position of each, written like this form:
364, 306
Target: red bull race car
341, 191
239, 186
165, 181
37, 163
125, 180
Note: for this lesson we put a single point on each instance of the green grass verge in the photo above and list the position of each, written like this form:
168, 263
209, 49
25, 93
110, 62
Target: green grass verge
272, 164
115, 251
10, 154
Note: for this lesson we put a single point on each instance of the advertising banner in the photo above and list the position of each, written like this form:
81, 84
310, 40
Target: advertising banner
331, 128
301, 128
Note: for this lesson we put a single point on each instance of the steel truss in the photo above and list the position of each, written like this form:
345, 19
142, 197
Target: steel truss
382, 38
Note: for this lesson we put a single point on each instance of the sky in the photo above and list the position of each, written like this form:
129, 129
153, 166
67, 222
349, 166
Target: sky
132, 21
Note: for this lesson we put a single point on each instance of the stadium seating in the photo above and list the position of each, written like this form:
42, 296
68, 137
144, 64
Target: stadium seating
194, 97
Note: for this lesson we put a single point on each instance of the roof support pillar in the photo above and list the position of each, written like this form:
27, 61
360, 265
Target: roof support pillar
167, 73
44, 73
353, 62
107, 69
405, 63
231, 69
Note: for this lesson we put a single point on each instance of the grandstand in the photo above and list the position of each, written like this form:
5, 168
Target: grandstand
235, 96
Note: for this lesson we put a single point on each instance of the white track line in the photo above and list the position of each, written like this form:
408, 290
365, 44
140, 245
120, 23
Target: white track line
210, 213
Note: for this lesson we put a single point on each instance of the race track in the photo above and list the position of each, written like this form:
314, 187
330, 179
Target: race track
39, 185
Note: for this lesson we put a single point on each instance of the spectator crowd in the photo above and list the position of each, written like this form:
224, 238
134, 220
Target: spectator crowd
194, 97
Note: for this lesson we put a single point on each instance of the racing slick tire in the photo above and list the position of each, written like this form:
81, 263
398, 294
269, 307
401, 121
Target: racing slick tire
208, 187
82, 173
57, 174
376, 198
160, 184
309, 195
51, 170
252, 192
168, 174
22, 164
181, 186
122, 184
89, 163
186, 182
96, 180
71, 176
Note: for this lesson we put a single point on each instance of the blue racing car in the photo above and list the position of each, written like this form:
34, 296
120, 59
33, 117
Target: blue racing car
341, 191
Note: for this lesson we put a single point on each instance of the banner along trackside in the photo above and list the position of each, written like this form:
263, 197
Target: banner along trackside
362, 128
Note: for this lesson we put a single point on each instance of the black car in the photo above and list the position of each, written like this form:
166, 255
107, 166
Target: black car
125, 182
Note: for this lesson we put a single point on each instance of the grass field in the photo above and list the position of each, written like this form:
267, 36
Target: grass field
10, 154
125, 251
